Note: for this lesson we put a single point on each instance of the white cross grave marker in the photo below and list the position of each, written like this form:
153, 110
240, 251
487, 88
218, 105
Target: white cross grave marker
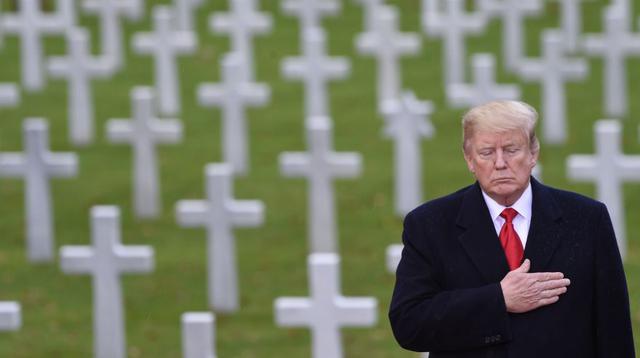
198, 335
406, 123
10, 316
183, 10
164, 44
143, 132
79, 67
109, 13
232, 95
315, 69
321, 165
105, 261
614, 46
609, 167
310, 12
393, 255
30, 23
241, 23
513, 13
9, 94
452, 25
326, 310
219, 213
36, 165
370, 7
484, 88
571, 23
387, 44
553, 70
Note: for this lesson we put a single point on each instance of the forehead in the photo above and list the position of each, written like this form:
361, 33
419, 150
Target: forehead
502, 138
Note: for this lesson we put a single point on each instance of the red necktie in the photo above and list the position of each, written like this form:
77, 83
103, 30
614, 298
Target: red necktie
510, 240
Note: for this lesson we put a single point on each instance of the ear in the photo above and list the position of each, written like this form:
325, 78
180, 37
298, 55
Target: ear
534, 158
470, 166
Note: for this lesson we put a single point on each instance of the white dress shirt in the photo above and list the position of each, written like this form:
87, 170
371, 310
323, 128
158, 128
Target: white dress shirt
521, 222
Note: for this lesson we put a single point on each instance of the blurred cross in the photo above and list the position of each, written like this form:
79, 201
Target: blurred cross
219, 213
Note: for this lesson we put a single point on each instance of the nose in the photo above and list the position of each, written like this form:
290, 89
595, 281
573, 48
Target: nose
500, 162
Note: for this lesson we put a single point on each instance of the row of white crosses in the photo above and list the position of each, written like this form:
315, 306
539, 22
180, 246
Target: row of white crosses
326, 310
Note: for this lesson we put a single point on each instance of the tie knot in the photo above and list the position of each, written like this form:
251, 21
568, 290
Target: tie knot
508, 214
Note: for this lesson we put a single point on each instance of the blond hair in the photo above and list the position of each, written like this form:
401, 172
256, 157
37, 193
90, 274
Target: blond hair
501, 116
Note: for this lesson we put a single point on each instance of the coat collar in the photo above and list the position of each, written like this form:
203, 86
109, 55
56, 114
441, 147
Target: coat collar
481, 243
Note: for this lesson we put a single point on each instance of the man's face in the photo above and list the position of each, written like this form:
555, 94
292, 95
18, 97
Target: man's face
501, 162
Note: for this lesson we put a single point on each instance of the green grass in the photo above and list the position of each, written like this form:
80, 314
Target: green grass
272, 258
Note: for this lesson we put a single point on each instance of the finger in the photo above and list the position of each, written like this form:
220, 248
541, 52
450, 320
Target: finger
524, 267
546, 276
547, 301
553, 284
554, 292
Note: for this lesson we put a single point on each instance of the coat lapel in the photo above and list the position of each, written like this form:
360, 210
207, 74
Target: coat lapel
479, 238
545, 228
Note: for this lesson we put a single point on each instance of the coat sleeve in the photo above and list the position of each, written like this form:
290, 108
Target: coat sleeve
614, 337
425, 317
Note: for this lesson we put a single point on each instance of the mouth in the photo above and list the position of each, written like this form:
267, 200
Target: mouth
502, 180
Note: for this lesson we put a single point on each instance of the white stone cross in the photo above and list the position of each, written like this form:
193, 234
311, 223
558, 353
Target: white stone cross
198, 335
143, 132
369, 8
79, 67
241, 23
10, 316
9, 95
387, 44
452, 25
614, 46
321, 165
232, 96
106, 260
609, 167
571, 23
164, 44
183, 10
109, 13
484, 88
406, 123
30, 23
326, 311
393, 255
315, 69
513, 13
36, 165
553, 70
626, 9
219, 213
310, 12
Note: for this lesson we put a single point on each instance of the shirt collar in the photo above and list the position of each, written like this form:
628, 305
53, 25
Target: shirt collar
522, 205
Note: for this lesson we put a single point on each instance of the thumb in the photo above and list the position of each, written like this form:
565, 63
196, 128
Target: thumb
526, 265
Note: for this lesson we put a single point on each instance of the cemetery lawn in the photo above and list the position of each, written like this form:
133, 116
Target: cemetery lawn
57, 308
